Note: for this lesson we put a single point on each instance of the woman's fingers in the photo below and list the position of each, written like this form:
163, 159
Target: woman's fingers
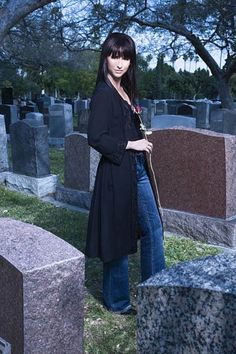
149, 146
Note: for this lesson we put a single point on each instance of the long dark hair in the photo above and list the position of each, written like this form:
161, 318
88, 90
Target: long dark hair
119, 45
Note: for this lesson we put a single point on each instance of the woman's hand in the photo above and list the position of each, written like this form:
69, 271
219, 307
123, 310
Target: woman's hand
140, 145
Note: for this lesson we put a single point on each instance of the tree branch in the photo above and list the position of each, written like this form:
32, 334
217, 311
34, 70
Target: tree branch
14, 10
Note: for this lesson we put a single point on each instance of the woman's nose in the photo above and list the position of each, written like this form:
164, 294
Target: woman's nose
119, 63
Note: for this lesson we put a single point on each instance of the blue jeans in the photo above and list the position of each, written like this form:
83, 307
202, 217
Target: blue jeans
115, 273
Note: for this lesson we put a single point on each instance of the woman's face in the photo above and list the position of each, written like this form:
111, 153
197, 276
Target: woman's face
117, 67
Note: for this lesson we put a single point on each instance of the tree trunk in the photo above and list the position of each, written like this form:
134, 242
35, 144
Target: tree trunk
225, 94
13, 11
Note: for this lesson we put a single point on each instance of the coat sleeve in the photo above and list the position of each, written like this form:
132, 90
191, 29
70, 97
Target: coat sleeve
99, 136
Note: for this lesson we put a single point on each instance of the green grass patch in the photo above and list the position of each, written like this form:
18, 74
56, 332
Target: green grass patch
56, 157
105, 333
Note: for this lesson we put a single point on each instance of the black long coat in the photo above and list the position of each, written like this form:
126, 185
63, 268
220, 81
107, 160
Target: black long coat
112, 226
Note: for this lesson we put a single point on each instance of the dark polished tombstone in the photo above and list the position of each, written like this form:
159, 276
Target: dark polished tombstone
10, 114
30, 151
186, 110
26, 109
7, 95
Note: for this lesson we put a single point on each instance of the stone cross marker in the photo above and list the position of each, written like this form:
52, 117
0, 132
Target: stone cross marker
30, 151
42, 291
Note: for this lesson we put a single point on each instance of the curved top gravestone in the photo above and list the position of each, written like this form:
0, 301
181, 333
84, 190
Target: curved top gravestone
191, 306
42, 291
29, 247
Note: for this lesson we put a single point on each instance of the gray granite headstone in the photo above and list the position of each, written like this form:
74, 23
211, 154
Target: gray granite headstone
168, 121
189, 308
83, 121
42, 291
203, 114
30, 151
161, 107
148, 111
26, 109
10, 115
3, 146
35, 116
145, 117
60, 120
81, 163
172, 106
216, 119
229, 121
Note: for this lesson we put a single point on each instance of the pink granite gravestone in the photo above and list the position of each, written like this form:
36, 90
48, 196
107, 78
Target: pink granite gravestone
196, 171
41, 291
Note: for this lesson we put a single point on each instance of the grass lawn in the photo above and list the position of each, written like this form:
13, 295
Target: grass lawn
105, 333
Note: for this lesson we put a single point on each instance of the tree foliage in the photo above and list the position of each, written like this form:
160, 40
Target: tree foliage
197, 26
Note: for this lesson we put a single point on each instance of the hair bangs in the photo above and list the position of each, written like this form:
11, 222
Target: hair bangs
121, 49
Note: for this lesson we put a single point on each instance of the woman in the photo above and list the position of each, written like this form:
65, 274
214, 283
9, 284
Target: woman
123, 203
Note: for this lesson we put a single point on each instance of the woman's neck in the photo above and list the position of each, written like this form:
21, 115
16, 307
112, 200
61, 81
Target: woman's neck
117, 85
115, 82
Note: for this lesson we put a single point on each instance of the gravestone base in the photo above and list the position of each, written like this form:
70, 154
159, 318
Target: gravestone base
3, 176
56, 142
39, 186
211, 230
74, 197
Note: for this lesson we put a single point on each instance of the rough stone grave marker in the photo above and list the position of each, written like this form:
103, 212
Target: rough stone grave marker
189, 308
